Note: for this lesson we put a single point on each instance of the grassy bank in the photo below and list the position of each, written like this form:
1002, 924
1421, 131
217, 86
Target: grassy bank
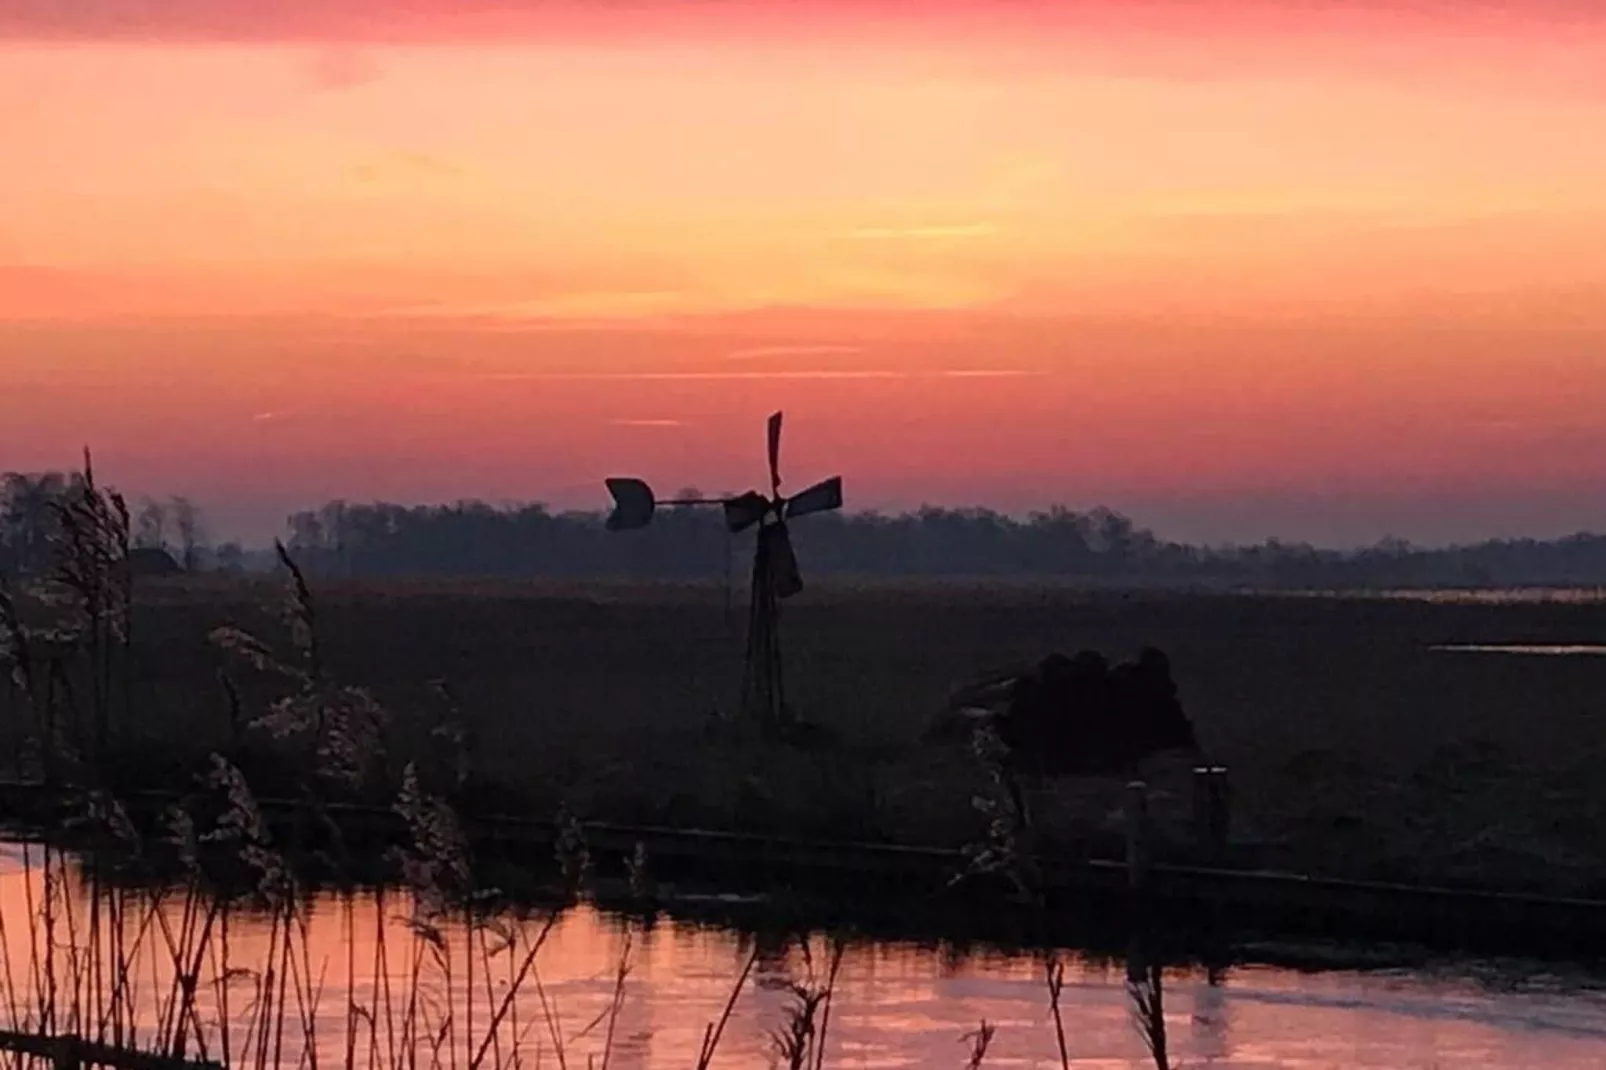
1351, 743
1355, 750
105, 969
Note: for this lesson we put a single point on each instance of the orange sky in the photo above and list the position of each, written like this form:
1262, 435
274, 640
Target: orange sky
1242, 269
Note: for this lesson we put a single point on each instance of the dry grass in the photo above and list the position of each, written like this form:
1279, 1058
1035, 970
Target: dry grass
1363, 752
78, 974
110, 967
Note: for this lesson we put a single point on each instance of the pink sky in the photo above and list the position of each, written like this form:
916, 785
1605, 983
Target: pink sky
1307, 269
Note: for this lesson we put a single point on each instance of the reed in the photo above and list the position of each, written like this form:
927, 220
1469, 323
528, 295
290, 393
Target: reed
1054, 978
980, 1041
1147, 993
132, 943
147, 968
799, 1044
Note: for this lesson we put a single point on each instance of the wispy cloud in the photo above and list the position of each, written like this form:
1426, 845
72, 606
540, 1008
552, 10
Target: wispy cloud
762, 352
609, 304
655, 423
812, 373
404, 163
990, 373
922, 233
342, 67
818, 373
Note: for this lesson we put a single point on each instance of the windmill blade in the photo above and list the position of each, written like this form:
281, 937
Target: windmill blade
775, 454
820, 498
633, 504
743, 512
784, 574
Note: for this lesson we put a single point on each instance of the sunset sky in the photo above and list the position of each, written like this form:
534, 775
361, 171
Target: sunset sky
1302, 268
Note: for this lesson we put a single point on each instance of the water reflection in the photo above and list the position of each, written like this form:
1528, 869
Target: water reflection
648, 993
1500, 596
1544, 649
1210, 1025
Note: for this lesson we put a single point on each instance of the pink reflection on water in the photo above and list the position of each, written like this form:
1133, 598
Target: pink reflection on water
895, 1005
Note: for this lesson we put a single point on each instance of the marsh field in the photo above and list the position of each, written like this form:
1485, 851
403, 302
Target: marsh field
1355, 748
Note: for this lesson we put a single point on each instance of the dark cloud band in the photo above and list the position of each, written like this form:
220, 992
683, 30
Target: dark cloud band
379, 21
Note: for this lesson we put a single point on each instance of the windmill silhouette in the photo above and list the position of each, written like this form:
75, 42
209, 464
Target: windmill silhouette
775, 571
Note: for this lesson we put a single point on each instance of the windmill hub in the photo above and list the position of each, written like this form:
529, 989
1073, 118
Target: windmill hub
775, 570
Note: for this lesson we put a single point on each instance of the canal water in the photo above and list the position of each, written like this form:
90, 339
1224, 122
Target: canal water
893, 1005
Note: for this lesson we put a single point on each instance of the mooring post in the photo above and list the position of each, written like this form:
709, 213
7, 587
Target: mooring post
1137, 835
1211, 810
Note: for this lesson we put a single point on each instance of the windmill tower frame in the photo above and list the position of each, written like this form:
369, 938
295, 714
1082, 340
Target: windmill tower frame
775, 575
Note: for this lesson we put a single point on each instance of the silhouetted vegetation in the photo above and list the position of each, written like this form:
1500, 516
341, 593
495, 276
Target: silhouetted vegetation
1355, 748
126, 956
1096, 546
33, 507
1099, 545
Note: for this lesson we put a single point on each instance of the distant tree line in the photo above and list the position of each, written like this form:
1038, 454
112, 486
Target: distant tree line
29, 510
1097, 546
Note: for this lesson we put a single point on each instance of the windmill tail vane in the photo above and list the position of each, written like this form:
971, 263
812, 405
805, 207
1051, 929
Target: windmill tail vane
776, 575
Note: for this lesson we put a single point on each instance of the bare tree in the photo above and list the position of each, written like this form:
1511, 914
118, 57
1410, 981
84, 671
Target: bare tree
334, 519
306, 532
187, 524
231, 558
151, 526
28, 514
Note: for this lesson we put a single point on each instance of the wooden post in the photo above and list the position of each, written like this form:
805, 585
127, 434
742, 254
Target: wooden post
1137, 835
1137, 958
68, 1052
1211, 810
